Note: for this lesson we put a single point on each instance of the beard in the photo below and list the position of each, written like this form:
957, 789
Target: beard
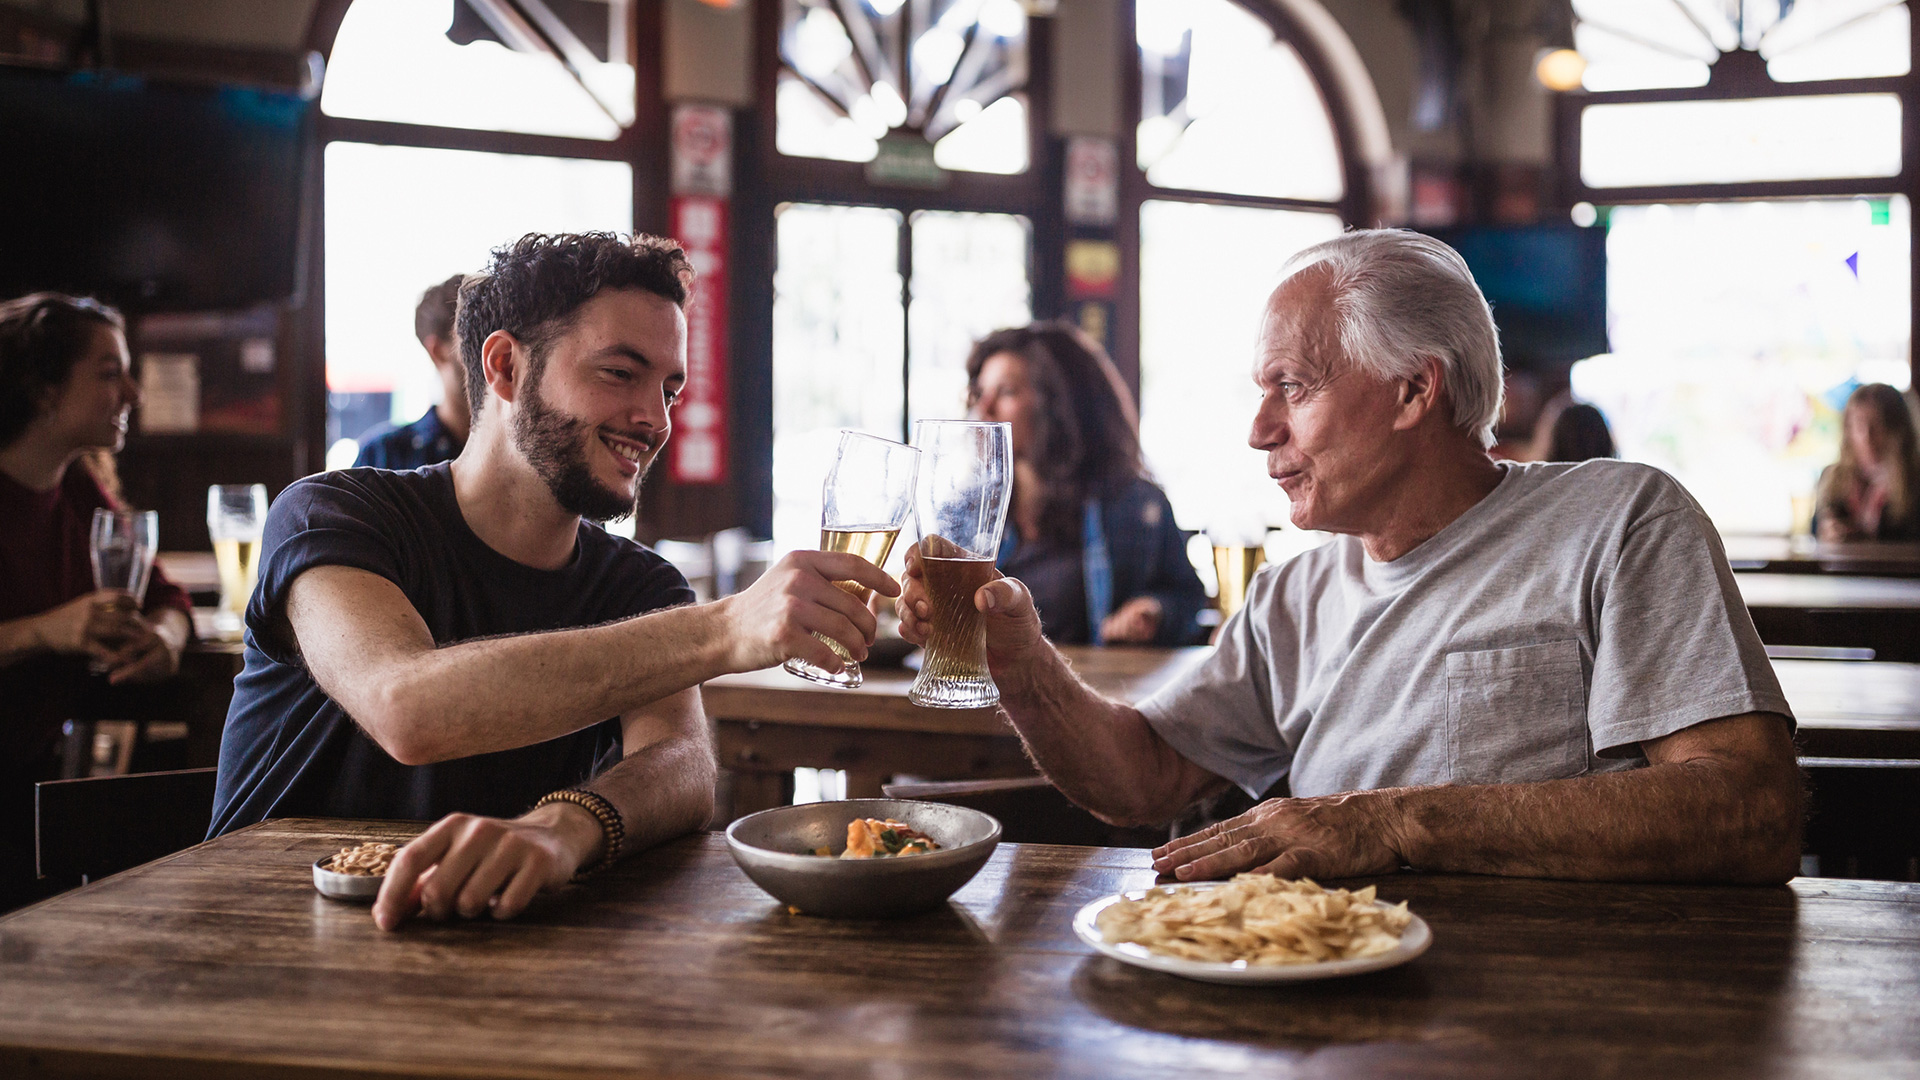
556, 446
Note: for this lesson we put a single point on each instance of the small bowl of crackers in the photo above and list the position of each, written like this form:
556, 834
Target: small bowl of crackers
354, 873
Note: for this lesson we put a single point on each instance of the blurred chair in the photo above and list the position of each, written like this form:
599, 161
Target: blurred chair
92, 827
1031, 811
1865, 817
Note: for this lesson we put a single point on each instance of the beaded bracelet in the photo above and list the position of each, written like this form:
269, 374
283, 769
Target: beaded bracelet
612, 830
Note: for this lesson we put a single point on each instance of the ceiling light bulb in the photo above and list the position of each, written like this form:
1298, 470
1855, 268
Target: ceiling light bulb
1560, 69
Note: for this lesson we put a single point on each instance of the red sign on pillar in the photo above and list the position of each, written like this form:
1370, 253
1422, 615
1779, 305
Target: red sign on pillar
699, 446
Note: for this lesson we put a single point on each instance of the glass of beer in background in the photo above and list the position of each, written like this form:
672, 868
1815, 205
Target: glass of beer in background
236, 519
865, 501
966, 482
1238, 550
121, 546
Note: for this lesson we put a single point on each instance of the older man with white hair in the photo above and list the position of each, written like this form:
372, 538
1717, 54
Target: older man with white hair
1539, 670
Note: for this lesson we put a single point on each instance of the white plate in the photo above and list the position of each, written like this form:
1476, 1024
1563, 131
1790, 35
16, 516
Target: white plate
1413, 941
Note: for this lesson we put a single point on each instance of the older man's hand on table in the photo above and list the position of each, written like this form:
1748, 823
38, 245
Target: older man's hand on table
1329, 836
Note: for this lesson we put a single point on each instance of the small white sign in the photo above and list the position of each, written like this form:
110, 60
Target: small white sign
702, 150
1093, 181
169, 393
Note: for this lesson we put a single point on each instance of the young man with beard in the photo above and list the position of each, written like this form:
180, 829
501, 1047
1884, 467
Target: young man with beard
462, 642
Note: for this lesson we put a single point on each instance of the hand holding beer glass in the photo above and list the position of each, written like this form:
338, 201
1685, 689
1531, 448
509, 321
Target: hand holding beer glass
864, 502
966, 483
120, 547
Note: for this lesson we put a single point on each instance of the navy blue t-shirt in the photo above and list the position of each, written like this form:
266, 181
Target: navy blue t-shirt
290, 751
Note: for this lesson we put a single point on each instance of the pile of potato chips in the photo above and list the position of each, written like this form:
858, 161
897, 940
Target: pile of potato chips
1258, 919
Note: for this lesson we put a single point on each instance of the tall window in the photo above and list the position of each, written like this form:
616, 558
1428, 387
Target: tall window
862, 341
1242, 168
1738, 328
902, 223
399, 219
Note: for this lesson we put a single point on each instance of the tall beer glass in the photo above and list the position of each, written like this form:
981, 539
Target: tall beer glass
867, 496
1238, 550
121, 546
236, 520
966, 482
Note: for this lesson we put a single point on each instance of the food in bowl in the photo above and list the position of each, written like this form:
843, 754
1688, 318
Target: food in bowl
370, 859
1258, 919
876, 838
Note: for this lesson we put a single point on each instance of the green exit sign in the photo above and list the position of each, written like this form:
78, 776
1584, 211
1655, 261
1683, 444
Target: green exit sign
905, 160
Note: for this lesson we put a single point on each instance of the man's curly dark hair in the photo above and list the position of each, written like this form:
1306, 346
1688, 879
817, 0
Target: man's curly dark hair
534, 286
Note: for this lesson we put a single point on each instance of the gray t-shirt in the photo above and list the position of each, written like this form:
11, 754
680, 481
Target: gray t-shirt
1573, 613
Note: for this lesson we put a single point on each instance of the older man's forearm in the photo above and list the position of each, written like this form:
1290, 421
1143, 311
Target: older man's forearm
1100, 753
1705, 820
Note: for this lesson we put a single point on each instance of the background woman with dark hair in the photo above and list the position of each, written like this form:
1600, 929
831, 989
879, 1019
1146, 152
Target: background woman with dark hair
1873, 491
64, 399
1091, 536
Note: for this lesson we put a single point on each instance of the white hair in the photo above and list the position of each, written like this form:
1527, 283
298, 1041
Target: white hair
1400, 297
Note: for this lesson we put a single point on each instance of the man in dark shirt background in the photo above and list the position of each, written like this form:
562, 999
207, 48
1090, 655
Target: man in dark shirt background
454, 641
439, 435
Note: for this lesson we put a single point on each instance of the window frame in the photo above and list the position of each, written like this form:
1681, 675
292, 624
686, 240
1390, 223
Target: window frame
766, 179
1740, 75
1353, 207
643, 146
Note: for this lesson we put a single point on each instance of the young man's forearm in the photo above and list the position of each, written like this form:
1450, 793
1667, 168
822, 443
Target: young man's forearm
1684, 821
496, 694
1100, 753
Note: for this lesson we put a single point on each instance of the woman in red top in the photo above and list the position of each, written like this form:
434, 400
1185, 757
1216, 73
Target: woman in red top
64, 399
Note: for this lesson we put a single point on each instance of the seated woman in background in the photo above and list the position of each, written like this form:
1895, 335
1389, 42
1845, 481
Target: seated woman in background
1089, 534
1873, 491
64, 399
1571, 431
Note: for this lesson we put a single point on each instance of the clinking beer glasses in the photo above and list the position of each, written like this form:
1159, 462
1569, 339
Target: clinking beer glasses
966, 482
867, 496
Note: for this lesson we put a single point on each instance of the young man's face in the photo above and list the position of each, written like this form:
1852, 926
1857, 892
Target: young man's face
598, 412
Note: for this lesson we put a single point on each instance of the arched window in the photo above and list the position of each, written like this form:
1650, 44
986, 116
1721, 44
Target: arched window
452, 126
901, 205
1243, 157
1748, 162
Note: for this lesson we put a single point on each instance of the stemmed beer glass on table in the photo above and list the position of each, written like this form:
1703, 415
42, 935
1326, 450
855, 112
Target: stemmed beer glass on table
121, 546
966, 483
864, 502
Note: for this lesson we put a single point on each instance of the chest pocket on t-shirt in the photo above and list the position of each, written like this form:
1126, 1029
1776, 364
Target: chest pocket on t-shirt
1516, 715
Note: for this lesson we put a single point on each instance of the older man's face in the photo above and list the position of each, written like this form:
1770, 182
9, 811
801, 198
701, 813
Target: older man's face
1327, 427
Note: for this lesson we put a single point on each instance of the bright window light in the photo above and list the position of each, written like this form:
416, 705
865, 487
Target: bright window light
1248, 120
969, 278
401, 218
994, 141
1205, 274
392, 61
1738, 330
1728, 142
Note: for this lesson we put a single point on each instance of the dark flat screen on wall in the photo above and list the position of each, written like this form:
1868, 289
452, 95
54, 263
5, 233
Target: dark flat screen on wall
1547, 285
157, 197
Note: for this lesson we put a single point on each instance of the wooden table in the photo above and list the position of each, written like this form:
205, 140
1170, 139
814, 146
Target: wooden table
768, 723
1836, 611
1850, 709
1802, 555
222, 962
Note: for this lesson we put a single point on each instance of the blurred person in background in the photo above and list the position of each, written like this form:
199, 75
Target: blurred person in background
65, 396
1873, 491
1570, 430
1091, 536
439, 435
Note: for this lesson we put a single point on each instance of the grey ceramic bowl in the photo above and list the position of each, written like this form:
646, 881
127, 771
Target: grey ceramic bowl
770, 847
357, 888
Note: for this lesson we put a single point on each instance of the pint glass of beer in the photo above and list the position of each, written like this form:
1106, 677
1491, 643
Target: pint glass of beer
966, 482
867, 496
1238, 551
